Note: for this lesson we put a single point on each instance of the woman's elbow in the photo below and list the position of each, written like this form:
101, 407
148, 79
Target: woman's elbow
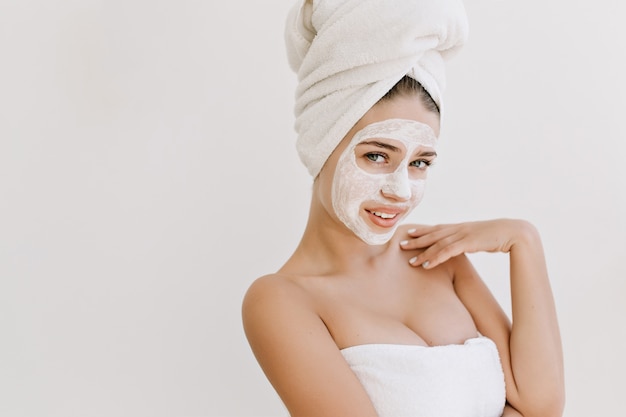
554, 407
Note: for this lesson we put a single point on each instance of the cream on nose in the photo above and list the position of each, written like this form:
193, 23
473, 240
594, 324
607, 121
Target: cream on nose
397, 185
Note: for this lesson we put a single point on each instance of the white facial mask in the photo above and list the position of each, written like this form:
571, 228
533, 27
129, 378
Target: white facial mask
391, 195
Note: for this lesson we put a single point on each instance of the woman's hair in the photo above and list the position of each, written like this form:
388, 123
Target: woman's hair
407, 86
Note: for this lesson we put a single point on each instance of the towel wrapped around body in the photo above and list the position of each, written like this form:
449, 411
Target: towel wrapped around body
440, 381
350, 53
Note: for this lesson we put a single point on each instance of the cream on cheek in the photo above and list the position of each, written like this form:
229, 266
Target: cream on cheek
355, 189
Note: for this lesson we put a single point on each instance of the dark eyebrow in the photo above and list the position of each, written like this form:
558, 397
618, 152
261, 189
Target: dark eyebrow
428, 153
381, 145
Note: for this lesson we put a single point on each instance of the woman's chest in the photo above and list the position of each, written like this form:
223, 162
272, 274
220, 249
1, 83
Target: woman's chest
397, 308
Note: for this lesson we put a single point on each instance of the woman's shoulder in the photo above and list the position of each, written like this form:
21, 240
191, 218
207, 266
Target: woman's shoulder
274, 310
275, 284
276, 292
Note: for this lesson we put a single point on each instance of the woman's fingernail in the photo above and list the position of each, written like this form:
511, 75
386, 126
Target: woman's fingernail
425, 264
404, 242
411, 231
412, 260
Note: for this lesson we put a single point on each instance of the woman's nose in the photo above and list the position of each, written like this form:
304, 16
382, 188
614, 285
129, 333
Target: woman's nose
397, 186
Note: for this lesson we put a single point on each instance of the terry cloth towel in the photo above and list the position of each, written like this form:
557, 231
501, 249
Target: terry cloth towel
349, 53
441, 381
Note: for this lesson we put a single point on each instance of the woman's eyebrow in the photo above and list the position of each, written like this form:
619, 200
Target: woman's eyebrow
381, 145
427, 153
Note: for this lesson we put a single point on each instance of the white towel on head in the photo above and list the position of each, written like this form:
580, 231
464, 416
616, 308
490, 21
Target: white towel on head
349, 53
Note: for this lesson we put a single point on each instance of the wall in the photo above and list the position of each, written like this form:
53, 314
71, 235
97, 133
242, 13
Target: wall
148, 175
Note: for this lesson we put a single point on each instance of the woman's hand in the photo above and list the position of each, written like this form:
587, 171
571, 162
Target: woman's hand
442, 242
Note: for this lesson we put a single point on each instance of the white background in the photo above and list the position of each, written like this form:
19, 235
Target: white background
148, 175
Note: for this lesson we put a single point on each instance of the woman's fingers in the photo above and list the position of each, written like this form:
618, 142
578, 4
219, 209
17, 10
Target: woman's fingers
440, 252
442, 242
422, 229
423, 238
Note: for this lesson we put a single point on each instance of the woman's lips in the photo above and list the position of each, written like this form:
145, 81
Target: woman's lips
384, 216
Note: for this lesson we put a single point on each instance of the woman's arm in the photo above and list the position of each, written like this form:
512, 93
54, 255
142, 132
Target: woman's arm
530, 349
510, 412
297, 353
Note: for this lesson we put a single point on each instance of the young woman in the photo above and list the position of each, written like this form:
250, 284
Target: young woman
370, 318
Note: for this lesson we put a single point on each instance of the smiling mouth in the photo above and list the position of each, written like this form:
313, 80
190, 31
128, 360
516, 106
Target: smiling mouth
384, 219
383, 215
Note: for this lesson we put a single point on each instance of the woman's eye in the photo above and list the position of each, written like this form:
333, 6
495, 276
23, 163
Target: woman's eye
375, 157
421, 164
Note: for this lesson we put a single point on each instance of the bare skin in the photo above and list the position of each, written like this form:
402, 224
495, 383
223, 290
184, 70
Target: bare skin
336, 291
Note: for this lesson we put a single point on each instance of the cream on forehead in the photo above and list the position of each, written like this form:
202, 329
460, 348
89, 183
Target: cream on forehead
408, 131
352, 185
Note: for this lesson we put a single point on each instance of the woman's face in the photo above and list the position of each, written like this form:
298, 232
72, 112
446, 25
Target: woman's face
381, 167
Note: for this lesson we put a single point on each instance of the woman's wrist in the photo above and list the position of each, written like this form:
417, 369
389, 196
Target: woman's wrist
522, 233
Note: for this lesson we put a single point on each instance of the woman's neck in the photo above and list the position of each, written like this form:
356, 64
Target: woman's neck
328, 247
